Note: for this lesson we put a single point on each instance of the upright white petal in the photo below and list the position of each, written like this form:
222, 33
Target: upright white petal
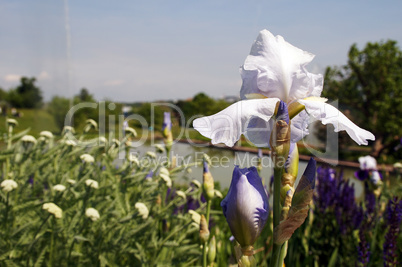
328, 114
276, 68
244, 117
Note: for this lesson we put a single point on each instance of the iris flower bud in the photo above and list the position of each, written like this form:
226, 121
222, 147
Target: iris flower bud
167, 130
204, 231
246, 206
208, 183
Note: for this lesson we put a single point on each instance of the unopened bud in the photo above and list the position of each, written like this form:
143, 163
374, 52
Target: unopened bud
212, 250
204, 231
208, 183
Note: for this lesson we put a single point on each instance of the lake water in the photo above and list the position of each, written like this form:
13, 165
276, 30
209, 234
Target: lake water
223, 162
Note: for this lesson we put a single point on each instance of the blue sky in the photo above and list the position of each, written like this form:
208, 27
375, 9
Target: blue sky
131, 50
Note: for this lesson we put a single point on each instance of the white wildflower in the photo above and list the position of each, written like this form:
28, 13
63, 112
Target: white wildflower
28, 139
196, 183
166, 178
70, 143
133, 159
53, 209
142, 209
151, 154
92, 183
102, 140
71, 181
89, 124
160, 148
181, 194
92, 213
398, 165
195, 216
68, 129
8, 185
218, 193
59, 188
12, 122
46, 134
116, 142
131, 131
87, 158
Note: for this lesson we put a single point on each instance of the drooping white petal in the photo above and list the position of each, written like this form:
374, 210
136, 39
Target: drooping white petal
243, 117
276, 68
328, 114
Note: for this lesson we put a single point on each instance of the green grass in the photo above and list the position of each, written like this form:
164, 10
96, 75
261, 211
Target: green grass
36, 119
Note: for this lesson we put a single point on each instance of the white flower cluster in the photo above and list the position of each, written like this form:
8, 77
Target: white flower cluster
133, 159
87, 158
53, 209
59, 188
164, 174
196, 217
8, 185
181, 194
131, 131
92, 183
142, 209
28, 139
92, 213
196, 183
46, 134
12, 122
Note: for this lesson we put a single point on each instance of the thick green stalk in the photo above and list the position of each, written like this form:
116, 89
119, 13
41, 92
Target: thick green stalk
275, 259
204, 248
204, 255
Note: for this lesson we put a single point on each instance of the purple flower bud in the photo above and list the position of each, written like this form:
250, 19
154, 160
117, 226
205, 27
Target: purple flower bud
283, 112
246, 206
206, 169
310, 171
167, 122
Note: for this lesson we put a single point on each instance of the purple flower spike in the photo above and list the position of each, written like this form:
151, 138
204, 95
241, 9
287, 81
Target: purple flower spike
283, 112
246, 206
167, 122
310, 171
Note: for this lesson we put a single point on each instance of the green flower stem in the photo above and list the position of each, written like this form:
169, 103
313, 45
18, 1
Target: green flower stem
6, 213
209, 203
276, 252
52, 241
168, 155
204, 248
204, 255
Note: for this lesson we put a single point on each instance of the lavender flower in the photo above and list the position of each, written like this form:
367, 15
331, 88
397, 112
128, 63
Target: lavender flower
393, 218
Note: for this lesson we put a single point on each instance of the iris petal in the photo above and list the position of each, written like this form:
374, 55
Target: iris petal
328, 114
243, 117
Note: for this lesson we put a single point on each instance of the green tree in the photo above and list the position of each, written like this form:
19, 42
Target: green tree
370, 86
26, 95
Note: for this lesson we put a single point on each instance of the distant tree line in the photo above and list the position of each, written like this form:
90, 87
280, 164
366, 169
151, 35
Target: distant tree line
25, 95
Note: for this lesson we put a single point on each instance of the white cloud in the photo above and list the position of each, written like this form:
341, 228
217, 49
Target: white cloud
12, 77
43, 76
